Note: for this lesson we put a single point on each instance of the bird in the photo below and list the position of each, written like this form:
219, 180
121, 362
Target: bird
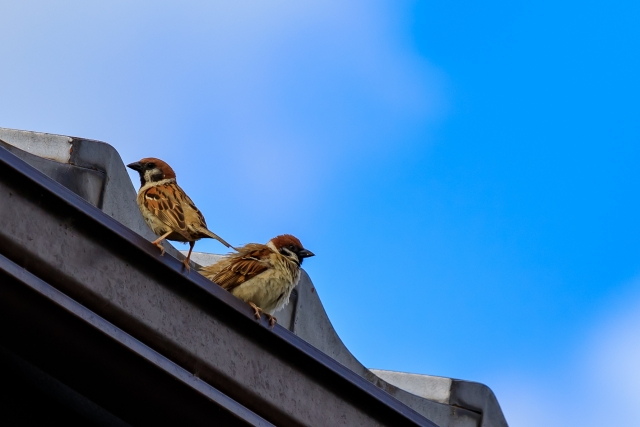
167, 209
261, 275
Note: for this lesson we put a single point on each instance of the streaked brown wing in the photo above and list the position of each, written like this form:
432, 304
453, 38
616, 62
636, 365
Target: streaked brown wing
164, 202
241, 269
194, 213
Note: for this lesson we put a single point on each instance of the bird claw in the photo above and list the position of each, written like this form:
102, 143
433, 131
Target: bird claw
257, 310
159, 247
258, 313
186, 265
272, 320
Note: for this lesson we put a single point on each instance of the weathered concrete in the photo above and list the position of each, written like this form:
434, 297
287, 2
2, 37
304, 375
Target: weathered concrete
429, 387
91, 169
45, 145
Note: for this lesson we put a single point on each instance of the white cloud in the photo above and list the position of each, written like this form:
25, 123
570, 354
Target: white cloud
526, 405
614, 360
598, 386
255, 88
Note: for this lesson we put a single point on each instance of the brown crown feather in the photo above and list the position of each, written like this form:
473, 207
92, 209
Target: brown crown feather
162, 165
285, 240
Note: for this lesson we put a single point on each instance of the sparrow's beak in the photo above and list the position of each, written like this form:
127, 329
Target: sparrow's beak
305, 254
136, 166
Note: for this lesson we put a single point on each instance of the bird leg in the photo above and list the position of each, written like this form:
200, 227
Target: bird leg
256, 309
272, 320
160, 239
159, 247
186, 260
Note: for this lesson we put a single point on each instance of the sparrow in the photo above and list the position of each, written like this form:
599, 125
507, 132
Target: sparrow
167, 209
262, 275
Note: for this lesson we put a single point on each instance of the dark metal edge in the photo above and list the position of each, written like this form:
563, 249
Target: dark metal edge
151, 356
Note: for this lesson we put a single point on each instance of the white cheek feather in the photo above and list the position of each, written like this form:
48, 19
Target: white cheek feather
149, 173
292, 256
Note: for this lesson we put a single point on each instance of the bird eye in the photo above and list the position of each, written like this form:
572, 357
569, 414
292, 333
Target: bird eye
150, 165
291, 247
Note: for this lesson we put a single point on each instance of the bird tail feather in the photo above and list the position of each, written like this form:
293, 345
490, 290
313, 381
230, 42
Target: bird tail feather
213, 235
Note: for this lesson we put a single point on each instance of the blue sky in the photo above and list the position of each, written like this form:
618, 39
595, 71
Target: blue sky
465, 171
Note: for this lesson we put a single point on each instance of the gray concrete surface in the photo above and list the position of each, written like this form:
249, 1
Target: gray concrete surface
91, 169
45, 145
429, 387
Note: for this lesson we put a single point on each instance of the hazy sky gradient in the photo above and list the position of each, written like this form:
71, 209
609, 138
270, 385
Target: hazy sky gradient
466, 172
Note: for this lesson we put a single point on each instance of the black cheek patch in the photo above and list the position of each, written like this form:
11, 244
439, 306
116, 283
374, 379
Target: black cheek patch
157, 177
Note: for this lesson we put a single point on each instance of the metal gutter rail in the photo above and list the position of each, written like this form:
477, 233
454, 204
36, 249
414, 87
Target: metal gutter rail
110, 318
